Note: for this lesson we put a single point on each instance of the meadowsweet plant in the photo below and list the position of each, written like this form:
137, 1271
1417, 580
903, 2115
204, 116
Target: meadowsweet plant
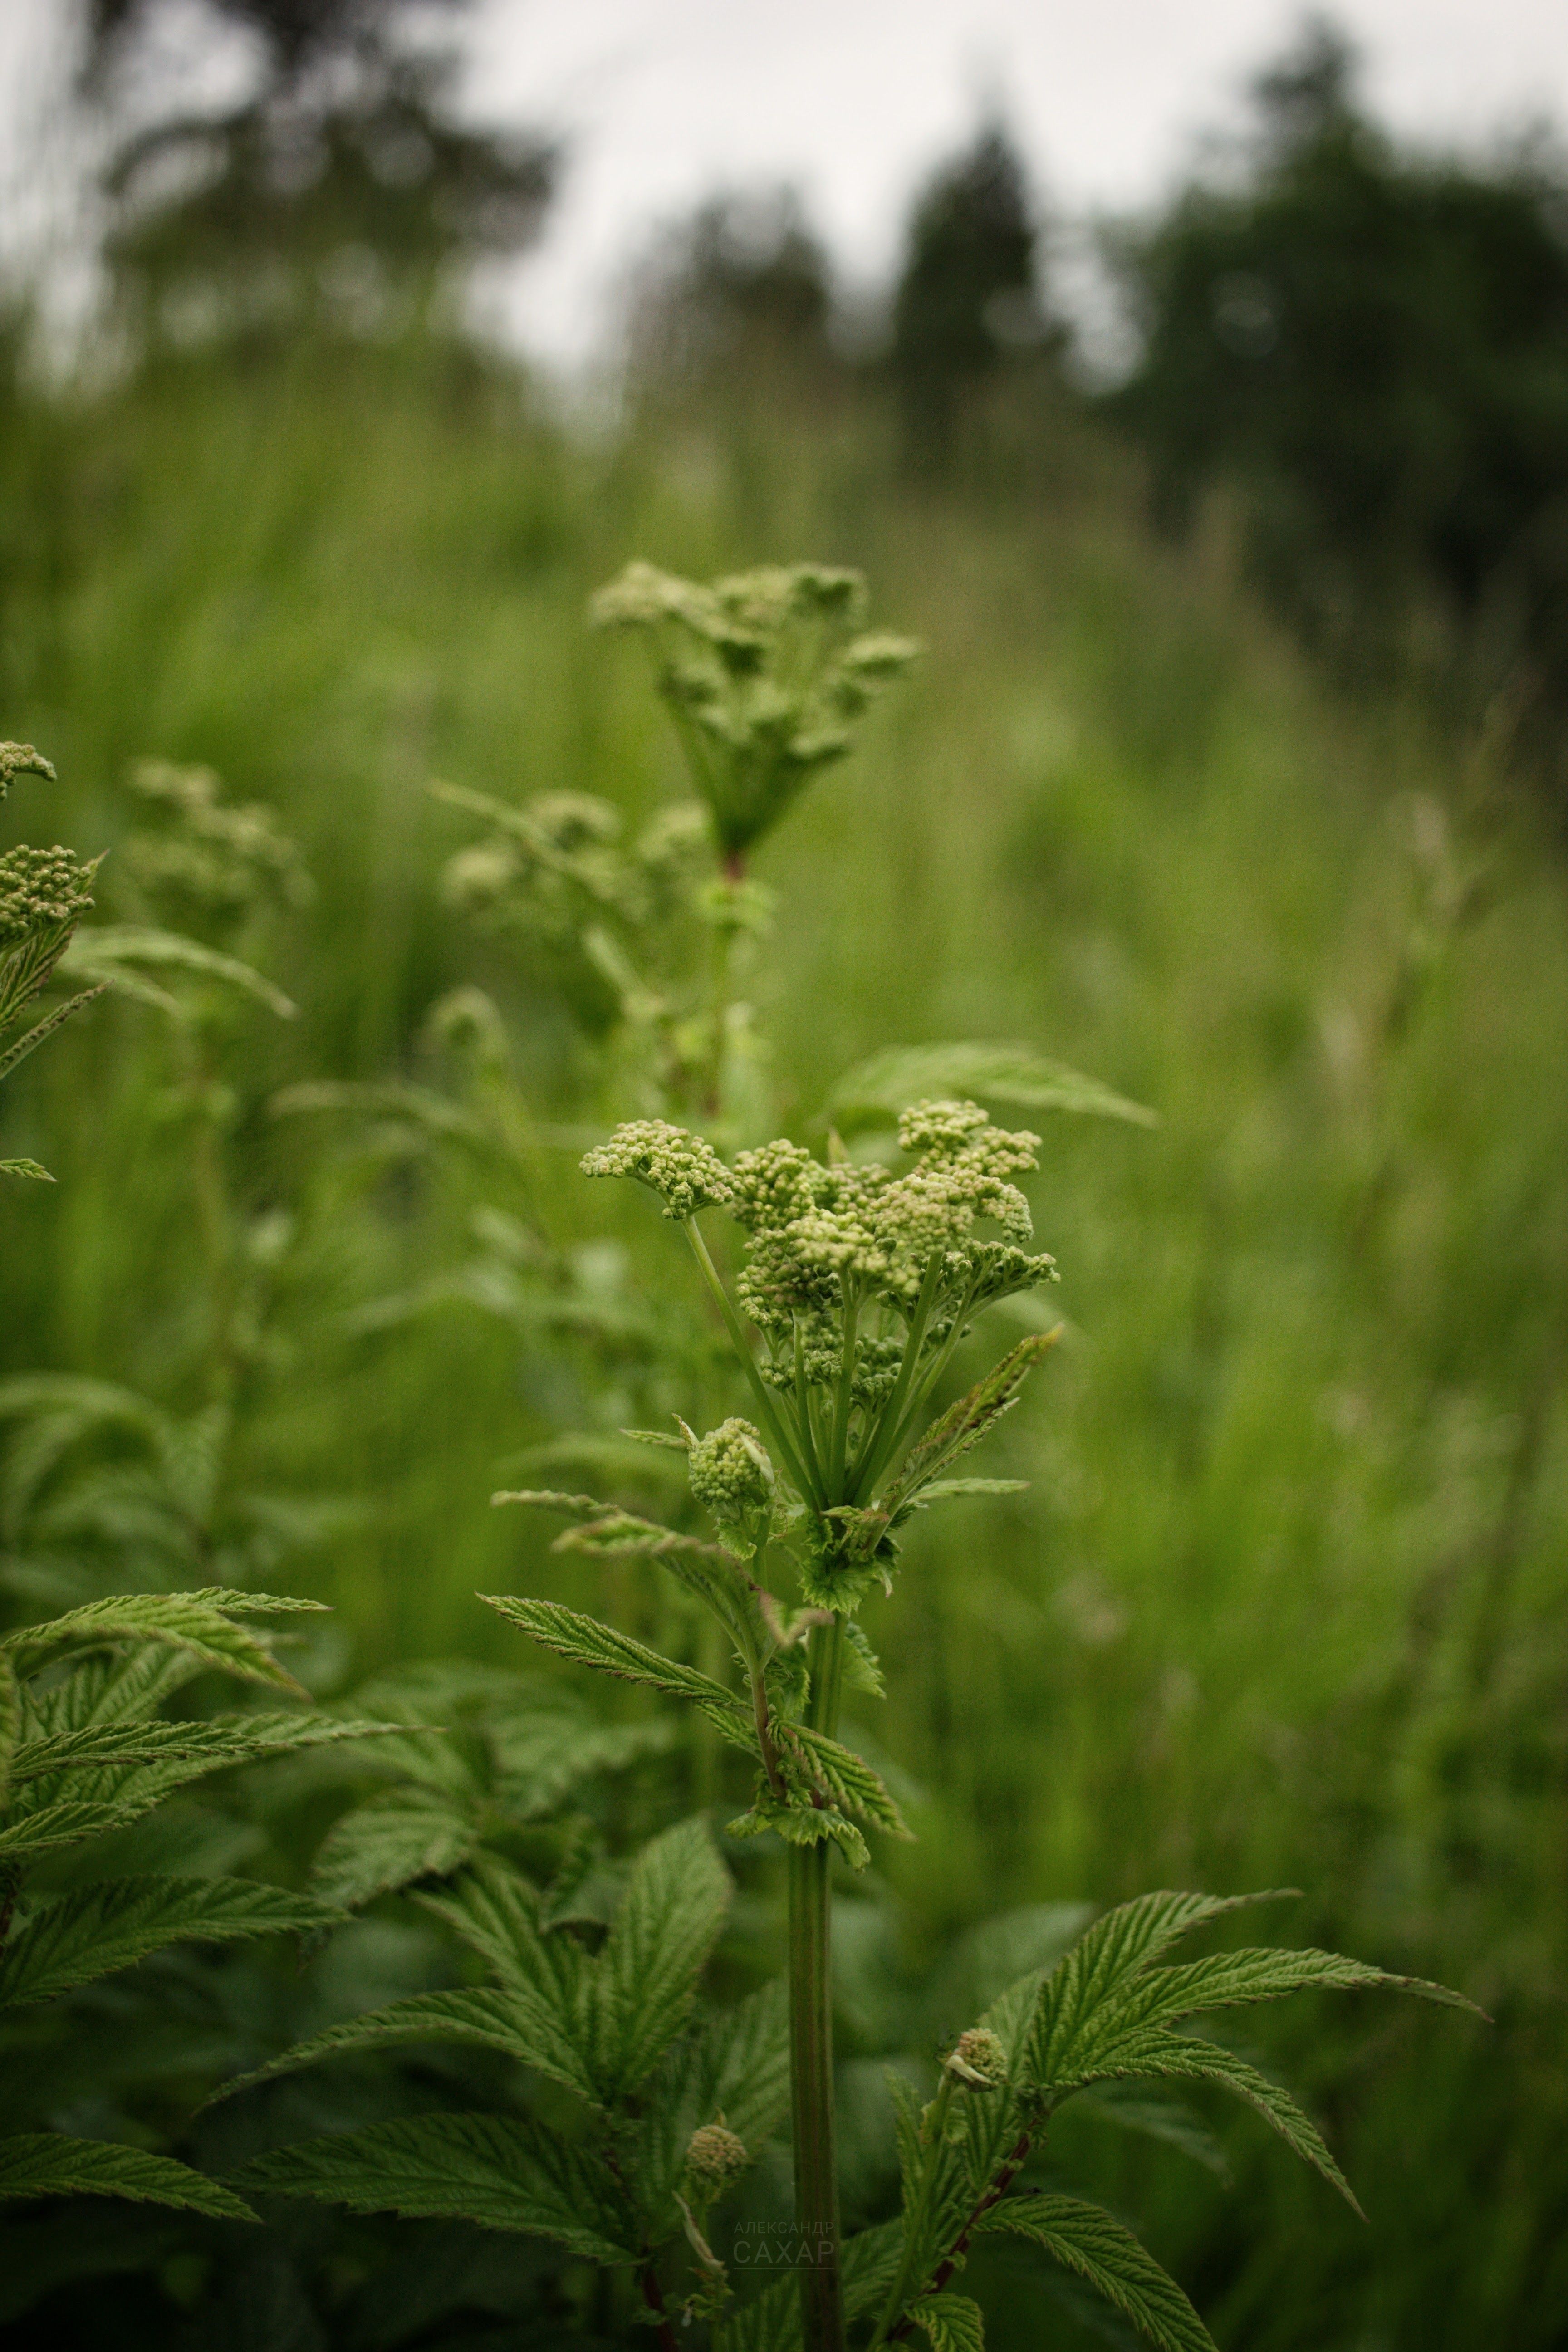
844, 1289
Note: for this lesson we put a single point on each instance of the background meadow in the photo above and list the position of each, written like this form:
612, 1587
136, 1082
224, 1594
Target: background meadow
1284, 1602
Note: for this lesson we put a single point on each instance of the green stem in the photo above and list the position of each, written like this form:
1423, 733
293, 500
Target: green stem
915, 2219
876, 1447
845, 1400
811, 2041
771, 1420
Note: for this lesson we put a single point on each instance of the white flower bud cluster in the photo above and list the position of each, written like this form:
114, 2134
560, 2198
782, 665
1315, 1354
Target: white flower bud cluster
22, 760
819, 1232
715, 2156
686, 1173
766, 667
209, 863
41, 891
730, 1473
978, 2059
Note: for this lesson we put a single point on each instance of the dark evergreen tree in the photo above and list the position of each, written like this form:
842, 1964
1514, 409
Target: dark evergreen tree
1372, 350
339, 194
966, 299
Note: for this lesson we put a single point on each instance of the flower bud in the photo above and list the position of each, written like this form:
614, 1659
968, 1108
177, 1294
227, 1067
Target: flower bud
714, 2157
731, 1472
978, 2059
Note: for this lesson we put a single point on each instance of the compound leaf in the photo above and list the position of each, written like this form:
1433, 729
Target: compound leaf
71, 1938
389, 1841
672, 1913
1085, 2239
498, 2171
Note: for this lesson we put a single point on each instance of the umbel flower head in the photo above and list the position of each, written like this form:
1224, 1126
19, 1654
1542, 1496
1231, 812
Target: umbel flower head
764, 673
686, 1173
22, 760
860, 1279
43, 892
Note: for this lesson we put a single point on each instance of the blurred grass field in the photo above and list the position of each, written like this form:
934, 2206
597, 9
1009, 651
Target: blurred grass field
1284, 1603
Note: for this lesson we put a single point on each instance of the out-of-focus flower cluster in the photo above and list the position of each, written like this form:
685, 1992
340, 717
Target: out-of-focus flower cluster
765, 674
204, 866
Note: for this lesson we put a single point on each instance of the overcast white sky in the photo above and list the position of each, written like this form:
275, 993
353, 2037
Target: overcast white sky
852, 100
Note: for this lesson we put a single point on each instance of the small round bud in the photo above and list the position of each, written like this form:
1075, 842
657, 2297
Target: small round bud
731, 1472
978, 2059
714, 2157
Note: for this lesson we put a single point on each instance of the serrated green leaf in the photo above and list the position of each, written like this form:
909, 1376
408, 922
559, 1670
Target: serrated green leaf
803, 1825
29, 1168
498, 2171
1186, 2059
967, 1420
546, 1498
194, 1622
736, 2066
212, 1742
587, 1643
46, 2163
852, 1784
494, 2021
862, 1668
952, 2322
108, 1686
664, 1931
1085, 2239
390, 1839
29, 1043
942, 1488
877, 1089
79, 1800
1076, 2014
1232, 1979
540, 1756
69, 1939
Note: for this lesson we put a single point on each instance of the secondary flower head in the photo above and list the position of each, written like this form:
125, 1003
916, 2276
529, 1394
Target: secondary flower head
731, 1472
715, 2156
978, 2059
41, 891
766, 671
21, 760
686, 1173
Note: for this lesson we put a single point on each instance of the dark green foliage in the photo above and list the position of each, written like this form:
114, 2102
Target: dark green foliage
1371, 348
333, 200
967, 297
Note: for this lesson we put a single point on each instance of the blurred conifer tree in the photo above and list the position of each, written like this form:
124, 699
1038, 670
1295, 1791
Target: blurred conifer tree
1371, 349
967, 299
739, 293
337, 196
